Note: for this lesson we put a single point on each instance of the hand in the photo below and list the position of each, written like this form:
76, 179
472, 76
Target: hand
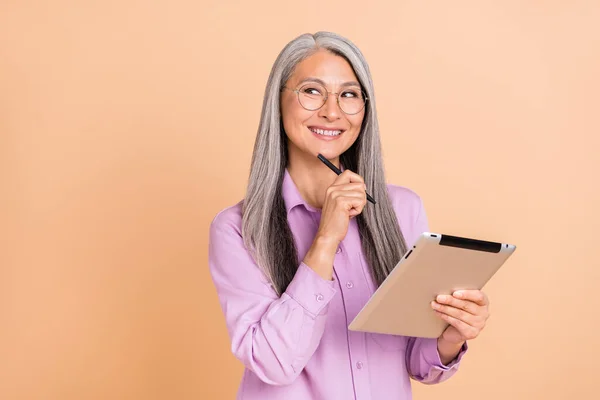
466, 311
344, 199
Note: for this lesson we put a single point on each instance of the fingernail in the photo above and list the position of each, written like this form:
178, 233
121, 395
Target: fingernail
458, 294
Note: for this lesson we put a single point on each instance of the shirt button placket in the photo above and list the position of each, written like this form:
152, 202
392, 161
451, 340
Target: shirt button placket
357, 351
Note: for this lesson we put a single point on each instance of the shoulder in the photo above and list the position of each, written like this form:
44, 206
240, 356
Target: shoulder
229, 261
228, 220
410, 212
405, 201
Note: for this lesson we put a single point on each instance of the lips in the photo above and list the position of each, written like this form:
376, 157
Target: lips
322, 131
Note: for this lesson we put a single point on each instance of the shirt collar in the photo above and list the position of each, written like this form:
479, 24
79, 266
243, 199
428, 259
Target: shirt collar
292, 196
290, 193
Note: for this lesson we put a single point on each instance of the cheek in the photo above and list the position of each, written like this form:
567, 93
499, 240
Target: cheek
290, 124
293, 119
356, 122
287, 117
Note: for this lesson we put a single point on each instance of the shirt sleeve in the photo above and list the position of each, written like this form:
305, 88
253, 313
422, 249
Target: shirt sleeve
422, 357
273, 336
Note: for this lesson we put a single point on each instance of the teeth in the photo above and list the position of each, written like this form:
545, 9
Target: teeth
326, 132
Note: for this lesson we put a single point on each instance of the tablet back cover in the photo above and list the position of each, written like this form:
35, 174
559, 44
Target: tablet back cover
402, 304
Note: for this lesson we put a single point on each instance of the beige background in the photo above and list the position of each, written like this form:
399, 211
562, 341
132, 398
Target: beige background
125, 126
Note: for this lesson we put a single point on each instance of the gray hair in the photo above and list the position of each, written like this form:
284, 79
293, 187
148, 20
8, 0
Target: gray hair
265, 228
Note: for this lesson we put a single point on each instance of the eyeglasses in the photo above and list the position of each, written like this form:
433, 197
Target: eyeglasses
312, 96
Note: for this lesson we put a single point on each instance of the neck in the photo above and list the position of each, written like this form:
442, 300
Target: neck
311, 176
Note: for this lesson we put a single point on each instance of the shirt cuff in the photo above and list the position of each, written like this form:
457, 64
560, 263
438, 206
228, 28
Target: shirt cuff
432, 356
310, 290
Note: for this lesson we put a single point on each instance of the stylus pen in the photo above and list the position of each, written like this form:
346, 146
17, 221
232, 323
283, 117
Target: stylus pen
337, 171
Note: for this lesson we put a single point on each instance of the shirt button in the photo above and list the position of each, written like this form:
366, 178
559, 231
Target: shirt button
320, 297
359, 365
339, 250
349, 285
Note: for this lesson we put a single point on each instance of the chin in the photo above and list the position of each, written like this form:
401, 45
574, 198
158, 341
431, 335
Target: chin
327, 153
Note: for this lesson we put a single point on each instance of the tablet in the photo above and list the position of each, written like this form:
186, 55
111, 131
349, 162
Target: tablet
437, 264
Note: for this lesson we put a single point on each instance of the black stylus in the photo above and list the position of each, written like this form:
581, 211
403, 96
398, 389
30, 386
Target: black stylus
337, 171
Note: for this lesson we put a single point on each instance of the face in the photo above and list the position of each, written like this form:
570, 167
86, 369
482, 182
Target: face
327, 130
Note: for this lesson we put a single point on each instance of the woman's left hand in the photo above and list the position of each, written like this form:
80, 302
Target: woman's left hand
466, 311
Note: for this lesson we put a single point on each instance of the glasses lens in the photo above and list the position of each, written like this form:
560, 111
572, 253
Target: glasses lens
312, 96
352, 100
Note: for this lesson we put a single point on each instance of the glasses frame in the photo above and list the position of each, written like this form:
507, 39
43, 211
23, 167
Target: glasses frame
297, 91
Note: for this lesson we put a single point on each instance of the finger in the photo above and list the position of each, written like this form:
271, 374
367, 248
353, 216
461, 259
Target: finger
359, 187
351, 202
470, 319
466, 331
344, 189
348, 177
354, 205
358, 209
465, 305
340, 195
476, 296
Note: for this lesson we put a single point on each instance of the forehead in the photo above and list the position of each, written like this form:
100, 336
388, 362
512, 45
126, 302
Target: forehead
324, 65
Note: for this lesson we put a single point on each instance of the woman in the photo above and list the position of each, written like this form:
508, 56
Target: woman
297, 259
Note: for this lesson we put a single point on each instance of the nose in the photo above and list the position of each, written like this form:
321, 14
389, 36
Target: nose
331, 109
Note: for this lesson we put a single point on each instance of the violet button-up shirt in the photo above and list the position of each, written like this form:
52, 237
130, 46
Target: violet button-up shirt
297, 346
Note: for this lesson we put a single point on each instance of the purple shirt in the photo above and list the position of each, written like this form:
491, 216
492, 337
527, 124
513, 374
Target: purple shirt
298, 346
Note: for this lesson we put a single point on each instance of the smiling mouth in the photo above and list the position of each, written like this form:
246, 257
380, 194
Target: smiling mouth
326, 132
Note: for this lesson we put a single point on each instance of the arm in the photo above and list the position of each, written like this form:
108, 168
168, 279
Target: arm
425, 364
273, 336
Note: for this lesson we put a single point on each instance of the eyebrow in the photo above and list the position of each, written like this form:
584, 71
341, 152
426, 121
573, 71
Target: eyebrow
317, 80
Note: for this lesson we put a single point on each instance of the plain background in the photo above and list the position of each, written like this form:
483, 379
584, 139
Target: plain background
125, 126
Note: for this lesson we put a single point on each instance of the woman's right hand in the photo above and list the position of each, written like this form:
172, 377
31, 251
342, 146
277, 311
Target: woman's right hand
345, 199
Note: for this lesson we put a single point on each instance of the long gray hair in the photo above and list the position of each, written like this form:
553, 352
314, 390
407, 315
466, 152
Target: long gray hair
265, 227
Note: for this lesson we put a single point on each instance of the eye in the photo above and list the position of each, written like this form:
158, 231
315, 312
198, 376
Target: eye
351, 93
313, 91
